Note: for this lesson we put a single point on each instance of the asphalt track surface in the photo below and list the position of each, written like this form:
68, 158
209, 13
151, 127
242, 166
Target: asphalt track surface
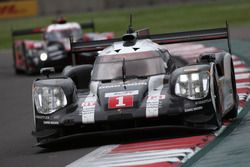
16, 123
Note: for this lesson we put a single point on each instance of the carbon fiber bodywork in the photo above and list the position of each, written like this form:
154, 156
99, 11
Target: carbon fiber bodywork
172, 110
137, 102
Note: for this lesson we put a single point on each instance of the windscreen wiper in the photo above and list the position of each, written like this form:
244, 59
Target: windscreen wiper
124, 72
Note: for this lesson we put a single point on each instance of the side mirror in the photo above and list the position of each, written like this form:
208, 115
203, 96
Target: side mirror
47, 71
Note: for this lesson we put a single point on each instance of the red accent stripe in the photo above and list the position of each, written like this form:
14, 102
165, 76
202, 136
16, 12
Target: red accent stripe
188, 142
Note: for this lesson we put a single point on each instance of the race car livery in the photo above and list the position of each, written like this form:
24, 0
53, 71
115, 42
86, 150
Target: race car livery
54, 50
136, 84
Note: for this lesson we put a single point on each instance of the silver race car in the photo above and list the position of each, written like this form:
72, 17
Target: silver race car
134, 84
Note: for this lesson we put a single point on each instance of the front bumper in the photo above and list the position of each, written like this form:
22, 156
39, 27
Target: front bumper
50, 134
56, 136
177, 113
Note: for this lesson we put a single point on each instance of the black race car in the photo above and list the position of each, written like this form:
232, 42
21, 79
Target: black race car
54, 50
134, 84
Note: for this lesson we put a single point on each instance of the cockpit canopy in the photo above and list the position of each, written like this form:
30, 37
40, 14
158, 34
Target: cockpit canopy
137, 64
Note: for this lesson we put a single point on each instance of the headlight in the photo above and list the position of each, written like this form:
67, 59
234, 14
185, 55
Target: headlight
43, 56
192, 86
48, 99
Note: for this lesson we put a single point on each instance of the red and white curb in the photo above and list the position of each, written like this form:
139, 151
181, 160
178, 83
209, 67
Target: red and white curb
166, 152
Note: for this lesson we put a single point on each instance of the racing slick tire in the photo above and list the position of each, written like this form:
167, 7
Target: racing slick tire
17, 71
233, 113
28, 70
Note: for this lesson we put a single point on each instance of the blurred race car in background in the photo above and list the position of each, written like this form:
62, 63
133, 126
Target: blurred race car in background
54, 50
136, 84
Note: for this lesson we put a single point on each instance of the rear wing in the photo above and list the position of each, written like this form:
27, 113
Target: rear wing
167, 38
22, 32
30, 31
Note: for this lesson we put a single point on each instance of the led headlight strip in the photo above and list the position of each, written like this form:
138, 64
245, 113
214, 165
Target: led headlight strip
192, 85
48, 99
43, 56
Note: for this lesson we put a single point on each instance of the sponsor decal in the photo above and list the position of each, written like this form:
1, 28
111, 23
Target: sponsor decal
88, 103
88, 115
109, 86
152, 108
51, 122
18, 9
42, 117
156, 97
119, 85
203, 101
120, 101
193, 109
122, 93
88, 109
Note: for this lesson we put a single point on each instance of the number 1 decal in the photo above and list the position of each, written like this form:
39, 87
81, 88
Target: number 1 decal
120, 102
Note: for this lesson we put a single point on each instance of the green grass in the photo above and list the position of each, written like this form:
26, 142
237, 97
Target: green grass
166, 18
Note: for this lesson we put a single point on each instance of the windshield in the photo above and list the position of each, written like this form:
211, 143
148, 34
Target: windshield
141, 64
59, 35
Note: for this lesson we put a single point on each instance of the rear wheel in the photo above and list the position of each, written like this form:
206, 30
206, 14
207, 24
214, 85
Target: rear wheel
17, 71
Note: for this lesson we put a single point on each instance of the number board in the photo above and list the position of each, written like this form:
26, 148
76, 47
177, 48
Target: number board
120, 102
